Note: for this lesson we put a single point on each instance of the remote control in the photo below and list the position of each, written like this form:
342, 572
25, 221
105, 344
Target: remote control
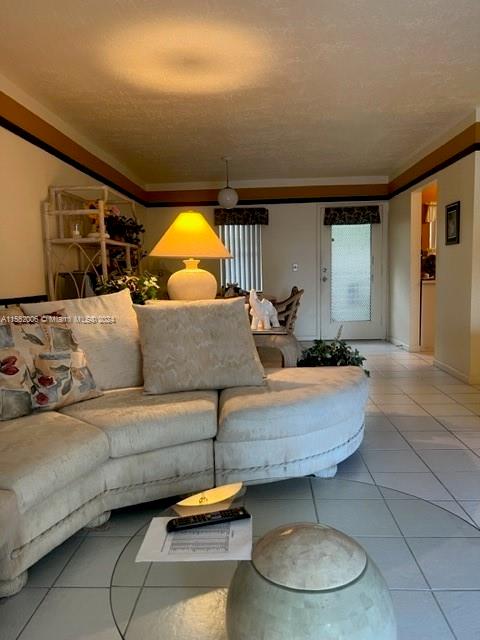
215, 517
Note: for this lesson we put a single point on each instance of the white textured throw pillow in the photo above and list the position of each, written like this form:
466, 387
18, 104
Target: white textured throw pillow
205, 344
106, 328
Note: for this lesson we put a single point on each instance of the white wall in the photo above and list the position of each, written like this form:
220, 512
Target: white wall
475, 304
399, 229
458, 305
454, 269
26, 172
290, 237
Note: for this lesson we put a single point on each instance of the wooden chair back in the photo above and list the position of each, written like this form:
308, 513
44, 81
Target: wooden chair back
287, 309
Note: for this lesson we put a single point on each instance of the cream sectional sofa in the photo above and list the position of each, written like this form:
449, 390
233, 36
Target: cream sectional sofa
64, 470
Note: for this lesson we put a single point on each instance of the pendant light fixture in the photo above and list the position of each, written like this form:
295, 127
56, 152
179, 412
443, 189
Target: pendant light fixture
227, 197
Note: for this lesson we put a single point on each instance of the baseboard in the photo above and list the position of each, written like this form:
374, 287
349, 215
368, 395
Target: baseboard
451, 370
403, 345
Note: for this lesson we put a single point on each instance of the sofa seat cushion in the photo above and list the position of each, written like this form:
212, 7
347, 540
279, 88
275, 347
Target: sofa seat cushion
306, 420
295, 401
135, 422
44, 452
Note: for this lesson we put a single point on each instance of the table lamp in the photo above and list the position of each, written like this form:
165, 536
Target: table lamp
191, 235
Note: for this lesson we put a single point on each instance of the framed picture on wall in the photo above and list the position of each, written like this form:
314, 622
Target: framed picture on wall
452, 223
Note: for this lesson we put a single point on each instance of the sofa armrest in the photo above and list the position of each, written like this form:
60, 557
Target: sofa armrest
9, 517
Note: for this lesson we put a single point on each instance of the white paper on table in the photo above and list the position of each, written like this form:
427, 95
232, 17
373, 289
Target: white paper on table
226, 541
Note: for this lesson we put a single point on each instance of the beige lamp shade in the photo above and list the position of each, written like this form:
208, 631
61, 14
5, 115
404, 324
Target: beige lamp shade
190, 236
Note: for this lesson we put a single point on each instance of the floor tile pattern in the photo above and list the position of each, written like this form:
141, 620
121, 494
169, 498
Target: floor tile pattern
422, 438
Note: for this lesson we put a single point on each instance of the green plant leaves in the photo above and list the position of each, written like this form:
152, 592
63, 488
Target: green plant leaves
142, 288
331, 354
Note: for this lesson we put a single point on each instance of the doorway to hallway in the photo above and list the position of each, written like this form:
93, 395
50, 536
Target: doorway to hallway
423, 268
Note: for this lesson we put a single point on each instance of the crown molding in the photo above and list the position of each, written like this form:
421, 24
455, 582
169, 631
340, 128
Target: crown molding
260, 195
435, 142
458, 147
25, 99
25, 123
274, 182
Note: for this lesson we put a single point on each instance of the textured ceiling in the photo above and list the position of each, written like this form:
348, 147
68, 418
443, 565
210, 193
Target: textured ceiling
288, 89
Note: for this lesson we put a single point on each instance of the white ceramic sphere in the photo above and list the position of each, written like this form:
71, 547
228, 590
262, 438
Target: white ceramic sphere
227, 198
260, 607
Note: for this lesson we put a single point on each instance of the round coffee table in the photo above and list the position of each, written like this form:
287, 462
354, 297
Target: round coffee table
403, 535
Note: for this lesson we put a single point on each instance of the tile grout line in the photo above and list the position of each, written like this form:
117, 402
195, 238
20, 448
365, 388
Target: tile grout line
313, 500
419, 567
49, 588
33, 612
140, 588
468, 519
139, 594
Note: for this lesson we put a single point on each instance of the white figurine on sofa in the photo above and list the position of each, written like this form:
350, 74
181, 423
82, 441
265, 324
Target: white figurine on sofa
264, 315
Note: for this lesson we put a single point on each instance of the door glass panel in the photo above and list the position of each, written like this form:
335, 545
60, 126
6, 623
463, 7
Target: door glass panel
350, 281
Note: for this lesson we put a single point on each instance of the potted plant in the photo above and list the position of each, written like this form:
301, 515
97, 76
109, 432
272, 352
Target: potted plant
336, 353
142, 288
124, 229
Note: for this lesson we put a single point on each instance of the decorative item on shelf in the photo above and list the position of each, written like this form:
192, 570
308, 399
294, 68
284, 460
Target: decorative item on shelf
124, 229
76, 230
142, 288
93, 217
117, 227
336, 353
191, 235
227, 197
264, 315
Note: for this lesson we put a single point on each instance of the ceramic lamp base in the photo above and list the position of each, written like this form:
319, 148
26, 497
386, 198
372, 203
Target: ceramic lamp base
192, 283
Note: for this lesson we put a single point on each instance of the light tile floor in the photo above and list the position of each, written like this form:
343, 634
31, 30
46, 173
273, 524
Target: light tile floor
422, 438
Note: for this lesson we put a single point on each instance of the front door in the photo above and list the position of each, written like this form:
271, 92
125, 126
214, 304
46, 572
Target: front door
351, 282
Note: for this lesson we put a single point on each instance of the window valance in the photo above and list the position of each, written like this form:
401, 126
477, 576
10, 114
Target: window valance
241, 215
368, 214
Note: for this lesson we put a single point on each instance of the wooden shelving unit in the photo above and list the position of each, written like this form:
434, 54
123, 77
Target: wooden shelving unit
78, 257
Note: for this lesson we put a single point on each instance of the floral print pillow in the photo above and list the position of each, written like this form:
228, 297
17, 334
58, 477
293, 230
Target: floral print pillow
49, 365
15, 383
61, 378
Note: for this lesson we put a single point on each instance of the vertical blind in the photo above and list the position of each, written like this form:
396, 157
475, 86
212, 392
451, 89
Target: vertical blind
244, 241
